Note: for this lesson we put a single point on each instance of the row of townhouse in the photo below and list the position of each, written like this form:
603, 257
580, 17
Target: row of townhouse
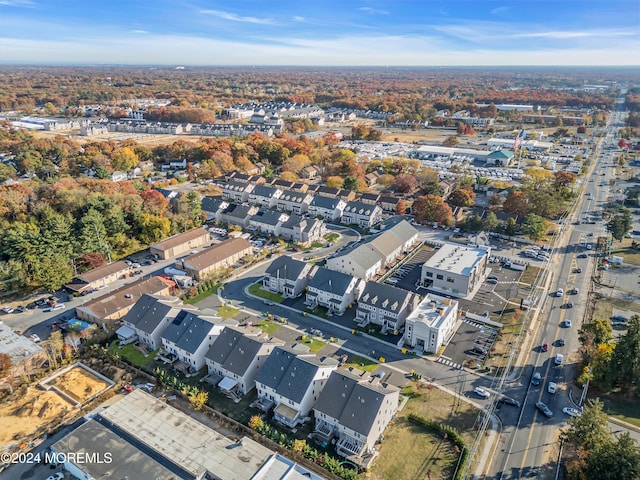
330, 208
204, 129
367, 259
354, 408
289, 226
428, 321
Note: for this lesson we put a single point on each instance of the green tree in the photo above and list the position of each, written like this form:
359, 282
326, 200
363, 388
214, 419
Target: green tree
195, 207
620, 224
92, 232
624, 368
491, 222
597, 331
473, 223
350, 183
614, 460
589, 430
53, 271
102, 172
510, 227
535, 227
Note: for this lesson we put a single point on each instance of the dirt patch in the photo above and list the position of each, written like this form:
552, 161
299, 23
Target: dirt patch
79, 384
29, 414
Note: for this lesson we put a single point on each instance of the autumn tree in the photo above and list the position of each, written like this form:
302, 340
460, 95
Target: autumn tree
405, 183
124, 159
462, 197
401, 207
289, 176
5, 364
334, 182
516, 203
451, 141
432, 208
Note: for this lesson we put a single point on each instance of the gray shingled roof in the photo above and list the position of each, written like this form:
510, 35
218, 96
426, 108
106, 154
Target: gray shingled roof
359, 208
187, 330
286, 267
325, 202
236, 185
147, 313
264, 191
364, 255
288, 373
329, 281
376, 293
212, 204
353, 401
267, 217
236, 348
294, 221
296, 197
237, 211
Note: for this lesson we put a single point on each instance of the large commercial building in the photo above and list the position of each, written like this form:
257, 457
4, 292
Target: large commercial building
456, 270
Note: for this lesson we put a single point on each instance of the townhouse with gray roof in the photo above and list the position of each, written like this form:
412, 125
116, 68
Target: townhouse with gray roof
303, 230
294, 202
287, 276
329, 208
189, 337
370, 198
268, 222
237, 191
361, 214
213, 206
355, 409
341, 193
385, 306
236, 356
264, 196
332, 290
292, 383
236, 214
147, 320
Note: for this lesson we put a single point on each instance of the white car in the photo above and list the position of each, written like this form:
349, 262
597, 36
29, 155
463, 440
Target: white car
482, 392
58, 306
552, 387
7, 310
56, 476
560, 293
573, 412
34, 338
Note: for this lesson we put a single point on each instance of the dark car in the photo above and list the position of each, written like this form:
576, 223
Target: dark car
510, 401
560, 342
577, 270
583, 255
536, 379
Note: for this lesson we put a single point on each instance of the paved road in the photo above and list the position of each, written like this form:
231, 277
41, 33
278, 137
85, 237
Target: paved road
529, 448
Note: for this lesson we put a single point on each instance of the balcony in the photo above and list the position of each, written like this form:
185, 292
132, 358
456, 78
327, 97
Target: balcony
348, 446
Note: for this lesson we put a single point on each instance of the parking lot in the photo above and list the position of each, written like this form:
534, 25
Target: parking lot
472, 341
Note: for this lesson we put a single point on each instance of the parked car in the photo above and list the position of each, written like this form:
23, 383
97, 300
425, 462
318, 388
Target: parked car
56, 476
7, 310
583, 255
544, 409
481, 392
552, 387
58, 306
493, 281
34, 338
21, 308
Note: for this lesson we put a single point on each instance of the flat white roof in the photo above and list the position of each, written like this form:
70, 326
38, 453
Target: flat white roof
459, 259
433, 310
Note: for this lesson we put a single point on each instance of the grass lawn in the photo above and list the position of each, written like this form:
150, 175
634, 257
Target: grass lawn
630, 255
257, 290
530, 275
268, 327
132, 354
410, 451
203, 295
512, 319
228, 312
314, 344
318, 312
362, 363
627, 409
604, 307
331, 237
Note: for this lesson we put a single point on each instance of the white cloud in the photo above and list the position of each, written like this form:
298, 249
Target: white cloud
500, 10
17, 3
139, 31
373, 11
238, 18
346, 51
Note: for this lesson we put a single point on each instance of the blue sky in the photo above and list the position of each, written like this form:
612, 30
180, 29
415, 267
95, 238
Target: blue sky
321, 32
